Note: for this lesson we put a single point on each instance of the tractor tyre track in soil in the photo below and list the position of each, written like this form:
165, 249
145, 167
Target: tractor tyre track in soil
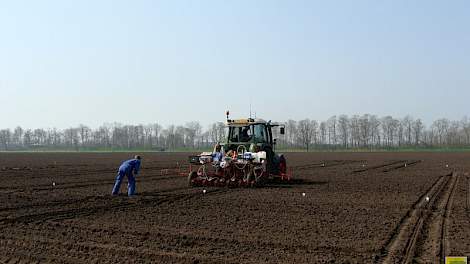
415, 230
326, 164
444, 245
380, 166
405, 165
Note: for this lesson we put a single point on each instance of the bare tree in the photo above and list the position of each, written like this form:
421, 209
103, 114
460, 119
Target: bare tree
170, 137
205, 139
407, 123
291, 133
217, 132
364, 130
453, 134
389, 126
5, 138
418, 130
315, 131
105, 135
72, 138
343, 125
441, 127
305, 128
331, 123
39, 137
466, 129
355, 131
323, 133
18, 136
193, 131
84, 134
374, 126
139, 136
180, 137
400, 132
27, 138
157, 131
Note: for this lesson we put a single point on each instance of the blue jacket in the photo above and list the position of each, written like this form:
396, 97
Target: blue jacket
130, 165
217, 156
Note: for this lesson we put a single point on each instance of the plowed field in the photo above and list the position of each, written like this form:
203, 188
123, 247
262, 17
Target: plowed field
357, 208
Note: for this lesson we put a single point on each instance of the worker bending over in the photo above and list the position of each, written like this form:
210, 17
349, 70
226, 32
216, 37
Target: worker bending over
129, 168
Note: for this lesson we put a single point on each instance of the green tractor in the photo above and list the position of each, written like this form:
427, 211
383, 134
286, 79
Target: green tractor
246, 158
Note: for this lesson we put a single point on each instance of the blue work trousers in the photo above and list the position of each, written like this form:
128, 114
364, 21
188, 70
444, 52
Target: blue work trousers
130, 182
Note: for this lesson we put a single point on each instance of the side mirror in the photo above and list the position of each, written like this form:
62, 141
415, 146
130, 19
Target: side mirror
282, 131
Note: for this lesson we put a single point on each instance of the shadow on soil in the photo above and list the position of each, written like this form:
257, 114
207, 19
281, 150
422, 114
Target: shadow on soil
294, 183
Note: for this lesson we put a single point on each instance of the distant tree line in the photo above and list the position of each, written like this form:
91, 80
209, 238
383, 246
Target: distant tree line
371, 132
114, 136
337, 133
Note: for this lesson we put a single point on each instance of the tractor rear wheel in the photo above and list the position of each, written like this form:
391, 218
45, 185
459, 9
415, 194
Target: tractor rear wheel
282, 164
192, 175
260, 182
251, 178
260, 178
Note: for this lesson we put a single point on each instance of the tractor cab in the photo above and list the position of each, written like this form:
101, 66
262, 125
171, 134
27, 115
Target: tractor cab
250, 132
253, 135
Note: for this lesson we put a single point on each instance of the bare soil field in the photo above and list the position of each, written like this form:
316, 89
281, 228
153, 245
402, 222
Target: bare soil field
357, 208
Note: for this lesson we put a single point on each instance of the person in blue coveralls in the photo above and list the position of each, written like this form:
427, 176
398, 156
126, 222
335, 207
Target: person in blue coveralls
217, 155
129, 168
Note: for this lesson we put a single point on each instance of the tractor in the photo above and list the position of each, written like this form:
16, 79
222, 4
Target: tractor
247, 158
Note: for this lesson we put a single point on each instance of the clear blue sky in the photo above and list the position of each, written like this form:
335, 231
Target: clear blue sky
68, 62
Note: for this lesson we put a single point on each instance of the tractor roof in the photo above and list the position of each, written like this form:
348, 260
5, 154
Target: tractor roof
248, 121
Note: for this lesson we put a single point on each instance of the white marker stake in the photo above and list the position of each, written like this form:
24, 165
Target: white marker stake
427, 198
204, 191
447, 165
303, 194
53, 183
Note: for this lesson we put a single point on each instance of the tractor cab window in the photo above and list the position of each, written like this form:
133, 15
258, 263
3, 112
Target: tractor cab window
240, 134
260, 133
